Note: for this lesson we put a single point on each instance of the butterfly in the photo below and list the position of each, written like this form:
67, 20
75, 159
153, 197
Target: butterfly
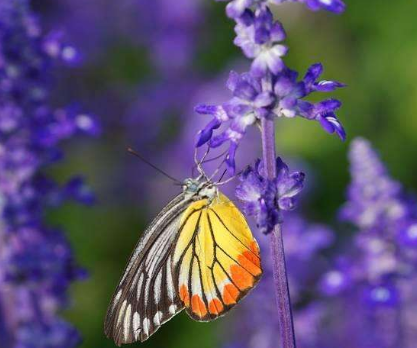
198, 254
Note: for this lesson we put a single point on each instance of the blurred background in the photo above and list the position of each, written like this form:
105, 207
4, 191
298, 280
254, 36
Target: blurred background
146, 64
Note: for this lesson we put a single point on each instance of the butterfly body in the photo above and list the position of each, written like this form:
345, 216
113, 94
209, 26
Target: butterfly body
198, 254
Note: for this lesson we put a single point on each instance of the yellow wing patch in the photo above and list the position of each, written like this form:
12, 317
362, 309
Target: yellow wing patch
216, 258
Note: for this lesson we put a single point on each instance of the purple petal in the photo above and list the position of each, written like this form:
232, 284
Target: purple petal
264, 99
328, 86
328, 105
219, 140
262, 36
246, 18
327, 126
237, 7
205, 135
335, 6
284, 86
245, 91
331, 124
230, 158
287, 203
278, 32
233, 80
250, 189
282, 168
204, 109
313, 73
306, 109
259, 66
216, 111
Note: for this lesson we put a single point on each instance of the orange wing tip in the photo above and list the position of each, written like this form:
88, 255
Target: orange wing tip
230, 294
242, 278
184, 295
215, 307
198, 307
253, 246
250, 262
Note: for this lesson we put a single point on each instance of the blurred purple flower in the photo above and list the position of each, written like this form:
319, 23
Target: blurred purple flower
256, 320
372, 275
265, 199
379, 210
36, 261
176, 35
374, 198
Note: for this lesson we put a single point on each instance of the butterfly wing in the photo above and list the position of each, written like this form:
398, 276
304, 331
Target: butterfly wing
146, 296
216, 259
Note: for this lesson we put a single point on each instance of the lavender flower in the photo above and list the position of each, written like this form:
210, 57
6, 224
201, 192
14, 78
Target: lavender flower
36, 261
373, 197
381, 212
267, 198
254, 99
268, 91
373, 274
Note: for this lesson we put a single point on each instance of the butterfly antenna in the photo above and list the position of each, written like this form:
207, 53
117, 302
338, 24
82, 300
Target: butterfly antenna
215, 158
208, 160
198, 163
216, 171
133, 152
228, 180
221, 176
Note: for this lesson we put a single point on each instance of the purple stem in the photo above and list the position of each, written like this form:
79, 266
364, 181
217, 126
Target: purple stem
282, 292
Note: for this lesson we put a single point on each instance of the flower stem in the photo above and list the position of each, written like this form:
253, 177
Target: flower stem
282, 292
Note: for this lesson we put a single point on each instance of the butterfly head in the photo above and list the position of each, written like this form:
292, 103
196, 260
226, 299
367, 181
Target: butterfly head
202, 188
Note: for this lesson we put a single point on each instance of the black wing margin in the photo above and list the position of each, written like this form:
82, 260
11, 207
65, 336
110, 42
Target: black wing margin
146, 297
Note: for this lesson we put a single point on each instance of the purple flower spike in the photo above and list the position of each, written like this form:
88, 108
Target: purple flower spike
37, 263
264, 198
376, 276
270, 90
